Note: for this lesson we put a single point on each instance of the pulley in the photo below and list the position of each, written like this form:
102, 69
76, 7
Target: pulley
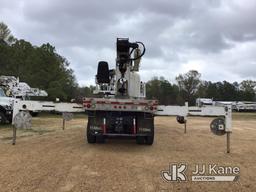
218, 126
181, 119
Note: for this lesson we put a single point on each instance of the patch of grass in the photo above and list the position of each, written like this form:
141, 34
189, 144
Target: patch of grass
5, 126
40, 131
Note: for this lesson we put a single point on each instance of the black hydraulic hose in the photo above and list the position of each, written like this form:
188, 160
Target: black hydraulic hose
143, 52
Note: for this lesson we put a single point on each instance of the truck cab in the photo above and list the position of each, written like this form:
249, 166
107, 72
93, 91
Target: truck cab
6, 107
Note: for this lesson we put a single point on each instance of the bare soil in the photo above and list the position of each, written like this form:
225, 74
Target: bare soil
47, 158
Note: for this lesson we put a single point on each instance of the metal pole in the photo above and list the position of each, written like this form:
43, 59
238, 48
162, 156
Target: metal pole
104, 125
228, 142
14, 135
185, 127
63, 124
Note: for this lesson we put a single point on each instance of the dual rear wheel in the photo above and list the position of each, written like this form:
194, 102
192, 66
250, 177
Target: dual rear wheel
148, 140
145, 122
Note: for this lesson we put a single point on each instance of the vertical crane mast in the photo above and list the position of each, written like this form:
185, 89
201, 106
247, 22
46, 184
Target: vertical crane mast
123, 82
128, 84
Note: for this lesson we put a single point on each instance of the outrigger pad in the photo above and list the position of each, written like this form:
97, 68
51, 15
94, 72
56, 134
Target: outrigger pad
181, 119
22, 120
218, 126
67, 116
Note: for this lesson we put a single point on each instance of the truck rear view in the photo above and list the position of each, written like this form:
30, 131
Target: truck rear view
119, 107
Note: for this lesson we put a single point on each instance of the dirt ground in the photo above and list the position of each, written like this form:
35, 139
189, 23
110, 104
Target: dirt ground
47, 158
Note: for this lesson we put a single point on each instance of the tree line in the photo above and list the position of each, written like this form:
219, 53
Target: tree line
189, 86
39, 66
42, 67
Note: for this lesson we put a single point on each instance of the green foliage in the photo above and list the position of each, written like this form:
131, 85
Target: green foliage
189, 84
84, 92
191, 87
248, 89
5, 34
40, 67
162, 90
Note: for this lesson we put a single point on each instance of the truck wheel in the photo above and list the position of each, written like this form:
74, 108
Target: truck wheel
3, 119
140, 140
149, 139
100, 139
90, 137
34, 114
9, 120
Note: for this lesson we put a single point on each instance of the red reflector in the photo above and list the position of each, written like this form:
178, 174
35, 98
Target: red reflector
124, 107
100, 102
88, 105
115, 107
120, 107
129, 103
113, 102
151, 108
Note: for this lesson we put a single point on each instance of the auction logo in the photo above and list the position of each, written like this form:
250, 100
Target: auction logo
201, 172
175, 173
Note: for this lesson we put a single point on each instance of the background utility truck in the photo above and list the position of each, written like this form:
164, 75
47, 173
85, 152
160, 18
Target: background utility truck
12, 89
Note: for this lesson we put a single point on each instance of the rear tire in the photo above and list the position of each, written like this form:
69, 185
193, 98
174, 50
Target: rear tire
100, 139
149, 140
90, 137
140, 140
34, 114
3, 119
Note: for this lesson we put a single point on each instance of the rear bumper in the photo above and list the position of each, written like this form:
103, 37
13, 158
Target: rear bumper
121, 135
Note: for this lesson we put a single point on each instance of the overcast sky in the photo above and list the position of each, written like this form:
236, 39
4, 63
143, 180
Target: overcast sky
217, 38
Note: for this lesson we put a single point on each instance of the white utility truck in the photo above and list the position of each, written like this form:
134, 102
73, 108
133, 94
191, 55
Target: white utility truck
12, 89
119, 107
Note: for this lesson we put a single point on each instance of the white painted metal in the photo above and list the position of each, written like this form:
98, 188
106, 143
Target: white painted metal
207, 111
228, 118
226, 112
172, 110
21, 105
115, 104
185, 111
